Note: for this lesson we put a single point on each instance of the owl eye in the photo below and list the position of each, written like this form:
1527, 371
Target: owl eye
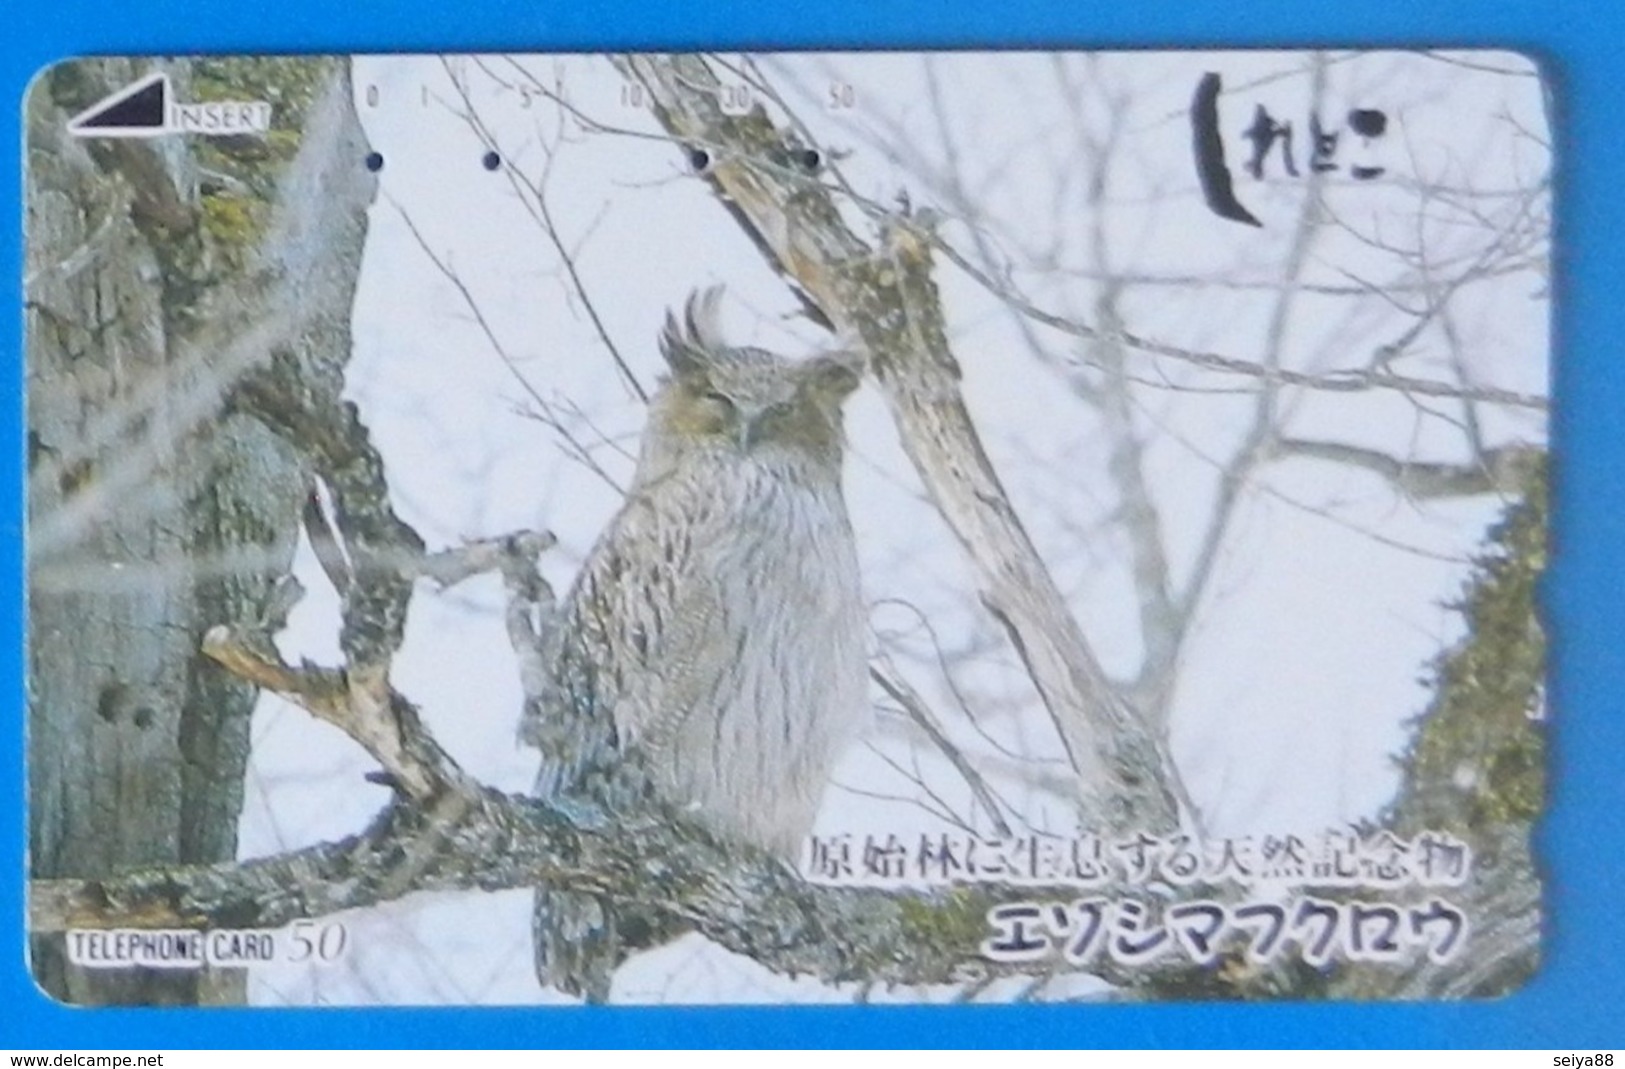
721, 401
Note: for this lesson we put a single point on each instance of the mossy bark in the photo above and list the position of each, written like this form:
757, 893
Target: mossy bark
1476, 766
150, 519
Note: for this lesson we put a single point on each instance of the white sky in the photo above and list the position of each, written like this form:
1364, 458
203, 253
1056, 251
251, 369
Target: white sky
1328, 597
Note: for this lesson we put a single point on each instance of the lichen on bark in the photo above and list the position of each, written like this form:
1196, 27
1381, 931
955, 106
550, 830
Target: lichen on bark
155, 511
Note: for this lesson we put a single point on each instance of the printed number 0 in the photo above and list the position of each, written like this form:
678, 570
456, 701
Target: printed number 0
372, 96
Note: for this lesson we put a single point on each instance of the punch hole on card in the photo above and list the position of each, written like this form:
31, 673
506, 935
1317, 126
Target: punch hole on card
1026, 527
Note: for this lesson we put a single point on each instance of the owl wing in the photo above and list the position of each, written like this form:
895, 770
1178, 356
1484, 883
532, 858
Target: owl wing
629, 650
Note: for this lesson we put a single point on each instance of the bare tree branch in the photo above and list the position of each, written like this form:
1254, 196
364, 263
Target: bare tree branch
1349, 380
1499, 470
885, 296
533, 195
446, 832
883, 672
744, 901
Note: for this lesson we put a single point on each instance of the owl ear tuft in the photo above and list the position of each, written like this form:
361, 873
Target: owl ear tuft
686, 345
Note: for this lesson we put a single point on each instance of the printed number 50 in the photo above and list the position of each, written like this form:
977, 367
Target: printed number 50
321, 943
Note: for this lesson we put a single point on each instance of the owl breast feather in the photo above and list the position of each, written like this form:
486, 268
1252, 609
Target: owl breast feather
722, 624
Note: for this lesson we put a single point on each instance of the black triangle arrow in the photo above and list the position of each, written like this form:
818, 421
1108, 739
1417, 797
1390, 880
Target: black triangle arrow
139, 107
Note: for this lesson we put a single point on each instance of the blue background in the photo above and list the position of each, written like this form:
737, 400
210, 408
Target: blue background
1577, 1000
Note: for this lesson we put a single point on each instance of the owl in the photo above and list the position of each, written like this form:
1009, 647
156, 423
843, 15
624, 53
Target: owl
711, 652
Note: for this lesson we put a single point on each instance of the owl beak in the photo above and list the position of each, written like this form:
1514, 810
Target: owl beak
754, 423
750, 430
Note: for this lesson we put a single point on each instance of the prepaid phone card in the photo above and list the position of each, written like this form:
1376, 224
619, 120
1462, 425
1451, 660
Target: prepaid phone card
787, 527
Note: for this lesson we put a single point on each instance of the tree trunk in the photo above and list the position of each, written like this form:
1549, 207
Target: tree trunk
156, 510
